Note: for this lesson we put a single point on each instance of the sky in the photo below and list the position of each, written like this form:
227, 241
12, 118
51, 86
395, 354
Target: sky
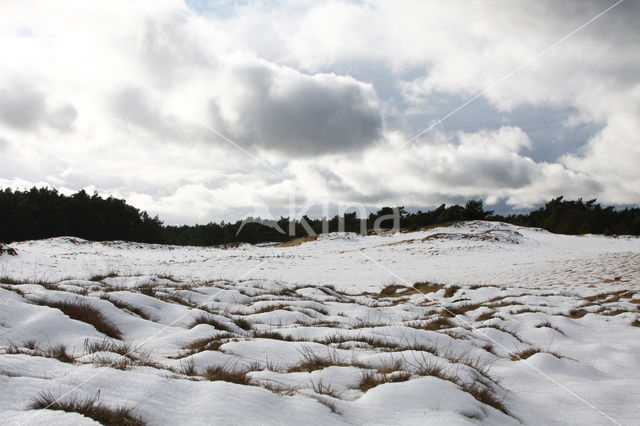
203, 111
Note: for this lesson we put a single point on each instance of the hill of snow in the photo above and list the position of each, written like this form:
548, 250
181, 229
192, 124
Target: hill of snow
478, 322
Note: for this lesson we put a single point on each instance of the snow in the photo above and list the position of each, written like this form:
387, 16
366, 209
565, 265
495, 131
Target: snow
499, 290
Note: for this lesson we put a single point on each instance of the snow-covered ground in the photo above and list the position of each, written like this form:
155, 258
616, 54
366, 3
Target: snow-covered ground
506, 325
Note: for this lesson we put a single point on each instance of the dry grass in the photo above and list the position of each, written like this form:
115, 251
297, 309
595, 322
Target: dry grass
129, 355
320, 388
547, 324
424, 287
610, 297
13, 289
271, 308
206, 344
120, 363
481, 392
524, 311
188, 368
126, 306
484, 395
418, 347
272, 335
577, 313
243, 323
277, 387
371, 379
90, 407
485, 316
526, 353
613, 312
451, 291
391, 366
58, 351
435, 324
102, 277
513, 332
5, 279
298, 241
147, 290
85, 312
426, 367
311, 361
502, 303
373, 341
489, 348
227, 374
209, 320
459, 309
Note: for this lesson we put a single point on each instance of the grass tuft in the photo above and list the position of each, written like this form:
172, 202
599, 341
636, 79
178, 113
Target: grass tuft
435, 324
484, 395
85, 312
320, 388
371, 379
451, 290
227, 374
208, 319
90, 407
243, 323
126, 306
311, 361
60, 352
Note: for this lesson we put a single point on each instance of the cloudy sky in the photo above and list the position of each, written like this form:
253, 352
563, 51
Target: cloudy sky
209, 110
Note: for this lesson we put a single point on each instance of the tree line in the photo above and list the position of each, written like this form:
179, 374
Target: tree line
43, 213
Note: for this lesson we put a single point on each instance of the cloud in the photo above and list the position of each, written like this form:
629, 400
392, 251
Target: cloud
278, 108
26, 109
442, 168
22, 108
429, 52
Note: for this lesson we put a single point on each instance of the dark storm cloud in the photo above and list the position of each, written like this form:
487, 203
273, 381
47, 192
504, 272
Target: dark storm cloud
300, 116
